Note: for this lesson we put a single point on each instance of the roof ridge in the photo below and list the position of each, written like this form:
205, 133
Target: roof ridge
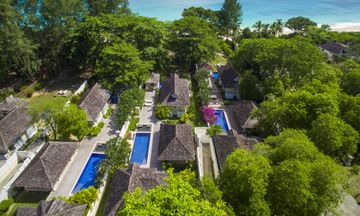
45, 170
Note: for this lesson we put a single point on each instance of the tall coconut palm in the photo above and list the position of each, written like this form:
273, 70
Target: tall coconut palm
277, 28
258, 26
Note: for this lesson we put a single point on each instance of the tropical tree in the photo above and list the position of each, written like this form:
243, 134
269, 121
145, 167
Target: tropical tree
193, 41
350, 110
214, 130
277, 27
97, 7
179, 197
120, 66
244, 181
258, 26
72, 121
206, 14
299, 24
230, 16
334, 137
129, 99
162, 111
249, 88
351, 82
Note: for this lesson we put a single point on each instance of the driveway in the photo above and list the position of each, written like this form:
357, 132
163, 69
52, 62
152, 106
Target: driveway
74, 169
147, 116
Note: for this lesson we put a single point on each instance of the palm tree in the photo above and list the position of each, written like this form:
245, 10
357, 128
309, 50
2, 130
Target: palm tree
258, 26
277, 28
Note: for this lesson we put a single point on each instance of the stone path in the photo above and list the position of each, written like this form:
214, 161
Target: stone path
148, 116
74, 169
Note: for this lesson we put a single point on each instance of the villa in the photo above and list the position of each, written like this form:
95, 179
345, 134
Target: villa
176, 144
174, 93
45, 170
15, 126
127, 180
95, 103
153, 82
242, 111
224, 145
228, 80
333, 49
207, 67
52, 207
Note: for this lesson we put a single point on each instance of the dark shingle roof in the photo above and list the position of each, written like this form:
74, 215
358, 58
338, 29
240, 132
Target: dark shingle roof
10, 103
224, 145
94, 101
154, 78
175, 92
176, 143
52, 208
242, 110
334, 47
12, 126
228, 76
127, 180
45, 169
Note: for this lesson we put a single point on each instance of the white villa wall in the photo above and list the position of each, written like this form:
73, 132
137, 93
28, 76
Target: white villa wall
8, 167
214, 158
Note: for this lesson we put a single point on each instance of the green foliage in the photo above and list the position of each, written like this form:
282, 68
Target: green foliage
86, 196
201, 76
351, 82
249, 88
117, 156
214, 130
244, 182
299, 24
95, 130
293, 60
17, 52
108, 112
230, 16
4, 205
206, 14
133, 122
179, 197
29, 91
162, 111
129, 99
193, 41
350, 110
186, 118
72, 121
97, 7
334, 137
120, 66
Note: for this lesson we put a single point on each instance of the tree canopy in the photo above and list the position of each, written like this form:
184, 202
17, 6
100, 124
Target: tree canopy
299, 24
230, 16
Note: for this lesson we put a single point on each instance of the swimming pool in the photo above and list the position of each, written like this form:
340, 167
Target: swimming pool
88, 175
141, 147
221, 120
215, 75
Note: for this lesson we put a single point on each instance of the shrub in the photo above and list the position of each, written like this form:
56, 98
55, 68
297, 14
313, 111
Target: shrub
208, 115
29, 92
108, 112
214, 130
94, 131
5, 204
37, 86
86, 196
133, 122
186, 118
75, 99
162, 112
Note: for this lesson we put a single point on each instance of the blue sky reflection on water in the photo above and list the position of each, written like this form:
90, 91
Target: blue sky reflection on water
322, 11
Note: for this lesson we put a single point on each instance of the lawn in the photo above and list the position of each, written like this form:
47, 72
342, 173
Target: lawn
45, 99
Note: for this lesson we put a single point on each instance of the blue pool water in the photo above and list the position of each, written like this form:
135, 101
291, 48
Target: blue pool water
88, 175
141, 147
221, 120
215, 75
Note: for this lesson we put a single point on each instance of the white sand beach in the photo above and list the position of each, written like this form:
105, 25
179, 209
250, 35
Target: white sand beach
346, 27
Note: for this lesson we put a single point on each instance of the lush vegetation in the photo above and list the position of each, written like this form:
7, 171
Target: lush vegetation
95, 130
5, 205
129, 100
201, 77
162, 111
179, 197
86, 196
214, 130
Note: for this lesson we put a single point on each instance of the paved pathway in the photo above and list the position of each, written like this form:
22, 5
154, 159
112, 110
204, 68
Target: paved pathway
215, 94
148, 116
74, 169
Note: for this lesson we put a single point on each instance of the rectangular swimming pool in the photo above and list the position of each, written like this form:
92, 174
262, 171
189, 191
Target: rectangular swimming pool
221, 120
141, 147
88, 176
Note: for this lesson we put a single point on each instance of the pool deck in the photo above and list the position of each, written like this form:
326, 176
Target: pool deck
74, 169
148, 116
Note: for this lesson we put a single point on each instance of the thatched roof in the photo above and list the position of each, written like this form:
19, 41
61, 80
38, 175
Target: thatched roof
176, 143
228, 76
94, 101
12, 126
153, 79
10, 103
46, 168
127, 180
52, 208
175, 91
242, 110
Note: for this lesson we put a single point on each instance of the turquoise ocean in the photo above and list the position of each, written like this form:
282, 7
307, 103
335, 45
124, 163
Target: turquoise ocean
330, 12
